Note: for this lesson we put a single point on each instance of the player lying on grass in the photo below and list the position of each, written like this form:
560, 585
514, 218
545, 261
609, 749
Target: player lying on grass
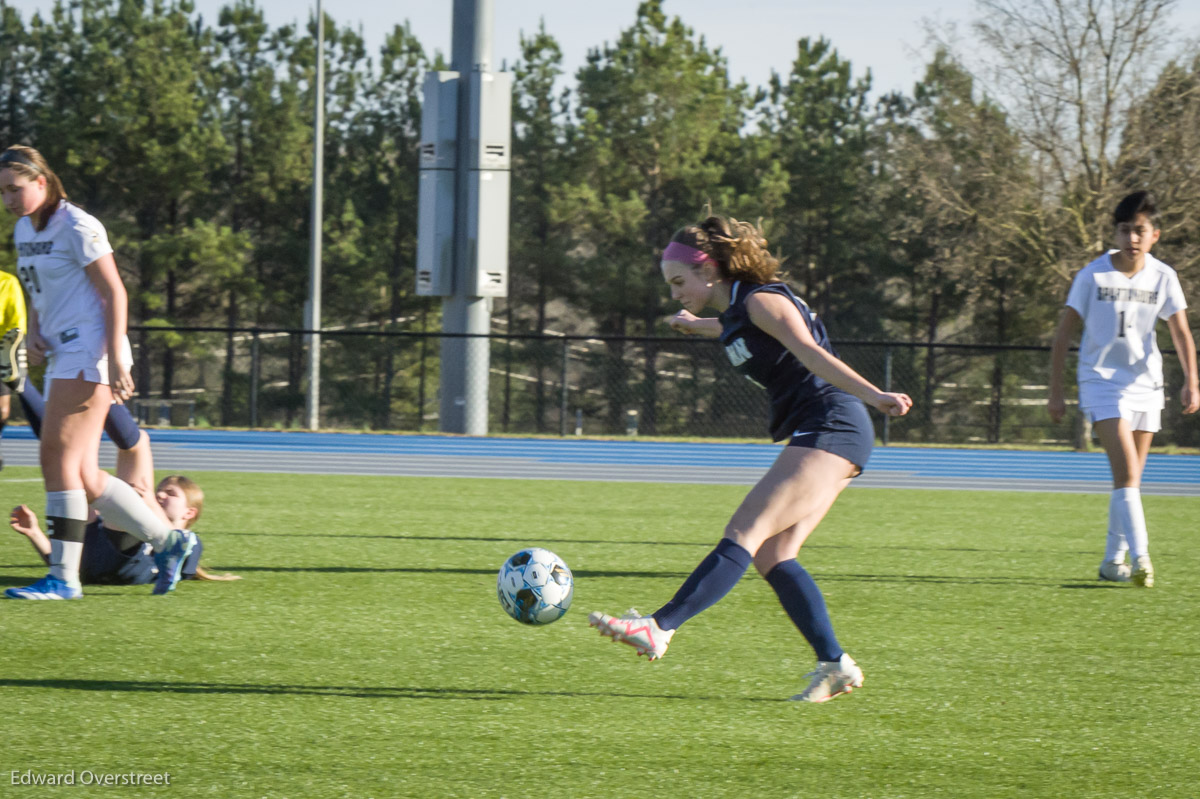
112, 556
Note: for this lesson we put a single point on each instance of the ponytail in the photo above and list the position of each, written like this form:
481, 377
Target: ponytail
738, 248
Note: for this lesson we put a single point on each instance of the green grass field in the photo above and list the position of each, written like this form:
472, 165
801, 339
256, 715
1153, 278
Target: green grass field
365, 654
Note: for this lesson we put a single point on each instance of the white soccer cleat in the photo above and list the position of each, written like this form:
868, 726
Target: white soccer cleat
831, 678
1143, 572
13, 365
1115, 572
640, 632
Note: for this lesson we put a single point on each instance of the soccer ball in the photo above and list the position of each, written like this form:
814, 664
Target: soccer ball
535, 586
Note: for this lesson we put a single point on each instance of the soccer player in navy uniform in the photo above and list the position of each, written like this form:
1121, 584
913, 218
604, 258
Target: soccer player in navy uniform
1119, 298
817, 405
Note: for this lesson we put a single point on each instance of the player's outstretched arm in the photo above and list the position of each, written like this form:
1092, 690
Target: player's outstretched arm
1185, 347
688, 323
1068, 326
203, 574
25, 521
777, 316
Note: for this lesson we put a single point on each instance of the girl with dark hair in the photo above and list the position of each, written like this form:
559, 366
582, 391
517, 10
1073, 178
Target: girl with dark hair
1119, 298
817, 404
77, 324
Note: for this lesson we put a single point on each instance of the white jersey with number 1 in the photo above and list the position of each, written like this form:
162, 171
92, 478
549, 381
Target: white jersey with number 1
1119, 360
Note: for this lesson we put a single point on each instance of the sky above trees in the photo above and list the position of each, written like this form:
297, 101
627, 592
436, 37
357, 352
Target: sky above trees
757, 36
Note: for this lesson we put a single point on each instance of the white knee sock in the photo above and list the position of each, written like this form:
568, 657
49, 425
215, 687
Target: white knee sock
122, 509
1125, 515
65, 554
1116, 546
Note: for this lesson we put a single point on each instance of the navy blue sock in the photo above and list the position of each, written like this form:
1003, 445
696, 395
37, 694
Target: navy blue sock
33, 405
121, 427
715, 577
800, 597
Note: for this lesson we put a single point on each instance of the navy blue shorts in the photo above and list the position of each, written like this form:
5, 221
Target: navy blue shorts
841, 425
104, 564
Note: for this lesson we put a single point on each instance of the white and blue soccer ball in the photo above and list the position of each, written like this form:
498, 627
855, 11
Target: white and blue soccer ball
535, 586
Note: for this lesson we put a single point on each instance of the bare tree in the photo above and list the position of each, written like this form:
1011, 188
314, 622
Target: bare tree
1160, 150
1069, 71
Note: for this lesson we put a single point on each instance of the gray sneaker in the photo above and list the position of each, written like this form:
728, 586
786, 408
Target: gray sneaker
1115, 572
170, 559
831, 678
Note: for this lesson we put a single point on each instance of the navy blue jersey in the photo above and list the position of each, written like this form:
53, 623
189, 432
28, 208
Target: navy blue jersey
794, 391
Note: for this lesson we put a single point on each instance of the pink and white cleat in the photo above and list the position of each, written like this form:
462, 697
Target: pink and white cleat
640, 632
831, 678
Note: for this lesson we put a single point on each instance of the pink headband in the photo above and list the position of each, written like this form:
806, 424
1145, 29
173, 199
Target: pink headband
681, 252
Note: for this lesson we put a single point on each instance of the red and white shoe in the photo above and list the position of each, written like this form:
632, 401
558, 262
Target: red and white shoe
640, 632
831, 678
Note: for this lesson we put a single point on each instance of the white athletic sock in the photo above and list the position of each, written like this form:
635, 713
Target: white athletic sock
1116, 546
1126, 515
122, 509
70, 506
64, 560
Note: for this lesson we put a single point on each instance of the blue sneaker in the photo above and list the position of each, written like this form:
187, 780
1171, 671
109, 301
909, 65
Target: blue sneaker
46, 588
171, 559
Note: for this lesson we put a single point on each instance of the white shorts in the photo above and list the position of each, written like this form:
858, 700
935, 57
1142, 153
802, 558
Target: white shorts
84, 364
1149, 421
1103, 400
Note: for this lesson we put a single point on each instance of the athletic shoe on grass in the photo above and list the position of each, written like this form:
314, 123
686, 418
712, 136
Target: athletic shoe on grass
1115, 572
170, 560
831, 678
1143, 572
47, 588
640, 632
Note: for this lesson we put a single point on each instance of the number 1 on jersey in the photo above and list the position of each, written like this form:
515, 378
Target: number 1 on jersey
29, 276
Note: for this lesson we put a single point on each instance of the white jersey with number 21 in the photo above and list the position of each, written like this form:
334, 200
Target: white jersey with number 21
1119, 360
51, 265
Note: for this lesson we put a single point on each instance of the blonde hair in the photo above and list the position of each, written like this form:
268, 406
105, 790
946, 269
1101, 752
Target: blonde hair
55, 193
739, 248
191, 491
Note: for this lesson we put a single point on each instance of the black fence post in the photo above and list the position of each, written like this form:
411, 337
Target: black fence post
254, 366
562, 407
887, 386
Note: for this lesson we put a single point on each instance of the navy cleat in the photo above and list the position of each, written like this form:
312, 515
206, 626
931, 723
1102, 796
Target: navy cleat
47, 588
171, 558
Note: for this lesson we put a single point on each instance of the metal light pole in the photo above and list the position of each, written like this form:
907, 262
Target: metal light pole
462, 248
312, 309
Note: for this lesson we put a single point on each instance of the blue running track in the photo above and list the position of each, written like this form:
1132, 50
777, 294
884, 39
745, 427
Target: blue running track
580, 459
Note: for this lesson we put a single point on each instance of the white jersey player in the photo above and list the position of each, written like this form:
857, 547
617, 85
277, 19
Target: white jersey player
78, 319
1119, 299
68, 307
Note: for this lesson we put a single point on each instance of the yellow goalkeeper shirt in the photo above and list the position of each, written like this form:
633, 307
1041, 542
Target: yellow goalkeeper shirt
12, 304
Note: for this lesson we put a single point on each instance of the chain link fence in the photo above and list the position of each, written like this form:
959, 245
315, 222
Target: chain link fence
591, 386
